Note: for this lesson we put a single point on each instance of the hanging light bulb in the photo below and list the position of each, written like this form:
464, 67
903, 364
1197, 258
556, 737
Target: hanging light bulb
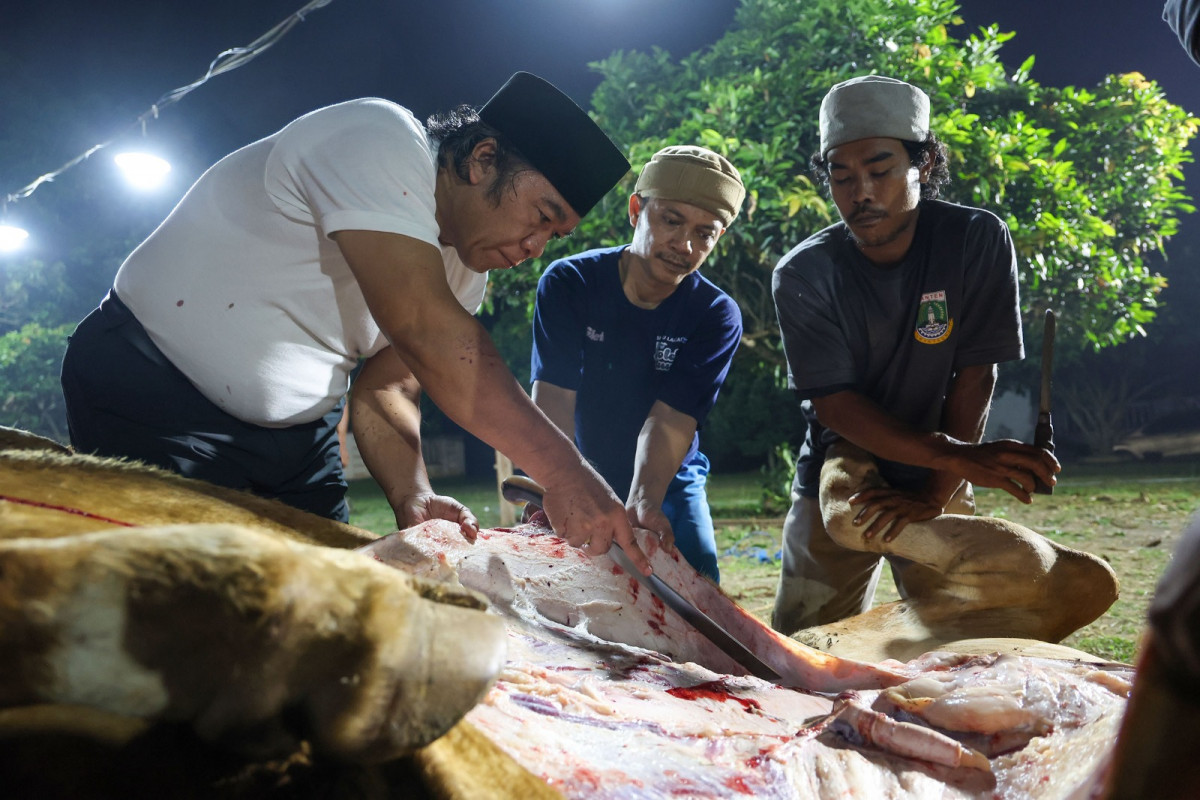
142, 170
12, 238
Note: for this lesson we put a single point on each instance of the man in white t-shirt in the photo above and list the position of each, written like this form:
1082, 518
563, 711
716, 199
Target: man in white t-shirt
355, 233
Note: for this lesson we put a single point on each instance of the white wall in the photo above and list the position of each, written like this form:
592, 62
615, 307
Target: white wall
1013, 416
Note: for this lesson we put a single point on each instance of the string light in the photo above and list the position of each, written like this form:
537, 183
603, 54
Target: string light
142, 170
11, 238
224, 62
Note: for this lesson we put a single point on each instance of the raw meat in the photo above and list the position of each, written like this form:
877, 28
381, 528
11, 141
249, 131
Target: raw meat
563, 584
606, 695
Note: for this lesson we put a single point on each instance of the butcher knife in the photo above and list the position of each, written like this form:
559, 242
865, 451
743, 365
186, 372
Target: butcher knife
1043, 434
520, 489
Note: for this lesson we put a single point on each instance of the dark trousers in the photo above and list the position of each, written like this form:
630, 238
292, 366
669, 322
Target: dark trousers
124, 398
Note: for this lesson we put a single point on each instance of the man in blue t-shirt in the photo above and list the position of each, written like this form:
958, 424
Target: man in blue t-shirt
632, 344
893, 321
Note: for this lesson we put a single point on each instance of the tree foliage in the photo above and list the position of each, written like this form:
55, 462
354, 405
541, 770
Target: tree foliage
82, 224
1089, 180
30, 397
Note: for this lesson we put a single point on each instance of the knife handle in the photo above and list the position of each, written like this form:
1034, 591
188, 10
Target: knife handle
1043, 439
520, 489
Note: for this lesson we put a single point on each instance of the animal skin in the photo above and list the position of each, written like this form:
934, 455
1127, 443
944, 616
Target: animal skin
283, 641
60, 506
945, 726
588, 700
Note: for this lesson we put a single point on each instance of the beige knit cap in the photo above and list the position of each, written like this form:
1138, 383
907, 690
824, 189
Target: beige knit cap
695, 175
873, 106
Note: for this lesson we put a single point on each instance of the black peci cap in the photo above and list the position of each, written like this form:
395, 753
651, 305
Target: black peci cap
558, 138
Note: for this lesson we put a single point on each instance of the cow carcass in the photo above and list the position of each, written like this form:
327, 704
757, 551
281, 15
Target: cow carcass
109, 720
602, 693
608, 694
256, 641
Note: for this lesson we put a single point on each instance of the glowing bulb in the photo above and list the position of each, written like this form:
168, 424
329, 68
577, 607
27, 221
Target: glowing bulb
142, 170
11, 238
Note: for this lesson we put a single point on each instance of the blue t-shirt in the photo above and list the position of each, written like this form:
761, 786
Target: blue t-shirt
896, 335
621, 359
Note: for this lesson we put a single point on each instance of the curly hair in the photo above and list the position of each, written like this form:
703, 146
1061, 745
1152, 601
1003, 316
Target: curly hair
458, 132
929, 150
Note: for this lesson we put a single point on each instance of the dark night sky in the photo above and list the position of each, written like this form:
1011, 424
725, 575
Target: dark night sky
433, 54
427, 55
107, 61
436, 53
1078, 42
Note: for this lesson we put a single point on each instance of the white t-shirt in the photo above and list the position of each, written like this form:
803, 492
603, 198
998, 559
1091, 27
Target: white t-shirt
241, 286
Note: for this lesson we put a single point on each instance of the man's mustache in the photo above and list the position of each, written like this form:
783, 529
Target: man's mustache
869, 212
674, 261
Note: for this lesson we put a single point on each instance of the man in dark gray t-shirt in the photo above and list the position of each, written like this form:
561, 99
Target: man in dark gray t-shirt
893, 322
897, 333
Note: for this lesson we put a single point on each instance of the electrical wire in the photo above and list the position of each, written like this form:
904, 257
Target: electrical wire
224, 62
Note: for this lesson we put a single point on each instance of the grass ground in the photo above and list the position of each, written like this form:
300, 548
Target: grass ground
1130, 514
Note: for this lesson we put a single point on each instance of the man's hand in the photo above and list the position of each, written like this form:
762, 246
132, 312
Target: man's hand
895, 509
422, 507
1004, 464
583, 510
650, 517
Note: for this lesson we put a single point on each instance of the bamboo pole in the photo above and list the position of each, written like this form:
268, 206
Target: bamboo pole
504, 469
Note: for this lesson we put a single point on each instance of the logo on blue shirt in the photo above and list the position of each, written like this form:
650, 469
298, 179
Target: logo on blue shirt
594, 335
665, 350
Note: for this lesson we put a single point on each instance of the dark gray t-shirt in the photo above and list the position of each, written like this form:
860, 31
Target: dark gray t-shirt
898, 334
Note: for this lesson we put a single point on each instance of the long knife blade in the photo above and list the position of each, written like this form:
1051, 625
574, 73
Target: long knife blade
519, 489
693, 616
1043, 434
1047, 363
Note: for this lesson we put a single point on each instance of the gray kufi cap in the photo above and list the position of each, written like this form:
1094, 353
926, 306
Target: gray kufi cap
557, 138
694, 175
873, 106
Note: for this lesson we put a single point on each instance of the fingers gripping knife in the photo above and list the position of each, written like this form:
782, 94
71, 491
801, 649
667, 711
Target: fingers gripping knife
1043, 434
519, 489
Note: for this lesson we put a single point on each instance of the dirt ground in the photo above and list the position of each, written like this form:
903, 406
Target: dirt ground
1133, 524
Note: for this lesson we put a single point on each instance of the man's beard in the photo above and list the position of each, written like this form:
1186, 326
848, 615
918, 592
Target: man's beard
876, 237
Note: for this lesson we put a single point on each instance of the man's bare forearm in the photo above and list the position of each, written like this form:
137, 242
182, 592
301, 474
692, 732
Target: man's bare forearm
1003, 464
859, 420
464, 374
964, 417
452, 356
558, 404
385, 415
662, 443
404, 283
